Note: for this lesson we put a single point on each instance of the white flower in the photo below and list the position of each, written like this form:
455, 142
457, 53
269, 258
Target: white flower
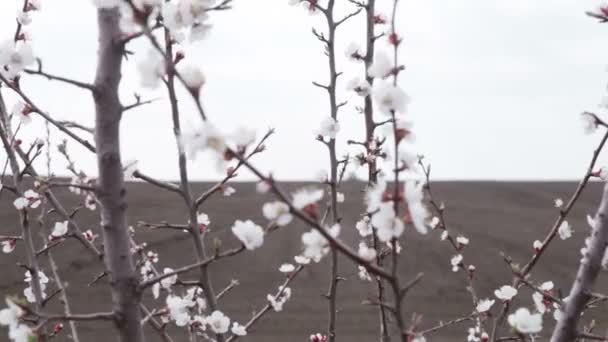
419, 338
390, 98
202, 138
24, 18
591, 221
203, 218
14, 57
366, 253
287, 268
193, 77
30, 199
565, 230
364, 227
363, 274
228, 191
505, 293
243, 136
41, 277
8, 246
418, 212
305, 197
301, 260
169, 281
361, 87
329, 128
218, 322
20, 333
250, 234
277, 211
354, 52
277, 302
381, 66
484, 305
316, 245
444, 235
546, 286
178, 310
388, 226
537, 245
10, 316
462, 241
60, 229
589, 122
558, 202
238, 329
151, 70
538, 299
525, 322
456, 261
374, 195
23, 112
28, 292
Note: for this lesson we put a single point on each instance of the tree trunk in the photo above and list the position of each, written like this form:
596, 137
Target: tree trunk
111, 190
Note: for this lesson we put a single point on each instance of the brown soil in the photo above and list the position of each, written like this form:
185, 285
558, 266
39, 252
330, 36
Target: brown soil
497, 217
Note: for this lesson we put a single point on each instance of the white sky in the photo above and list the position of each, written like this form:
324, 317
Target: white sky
497, 85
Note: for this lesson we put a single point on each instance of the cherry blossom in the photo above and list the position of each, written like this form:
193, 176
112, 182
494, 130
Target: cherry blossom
381, 66
354, 52
525, 322
390, 98
301, 260
537, 245
359, 86
11, 315
462, 241
8, 246
218, 322
484, 305
30, 199
20, 333
152, 69
387, 225
363, 274
364, 227
419, 338
287, 268
277, 302
14, 57
590, 123
418, 212
250, 234
59, 230
456, 261
238, 329
374, 196
366, 253
505, 293
565, 230
23, 112
329, 128
178, 309
316, 245
166, 283
318, 338
558, 203
202, 138
306, 197
277, 211
193, 77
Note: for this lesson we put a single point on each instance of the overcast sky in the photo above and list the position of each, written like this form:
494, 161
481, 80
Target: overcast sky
497, 86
